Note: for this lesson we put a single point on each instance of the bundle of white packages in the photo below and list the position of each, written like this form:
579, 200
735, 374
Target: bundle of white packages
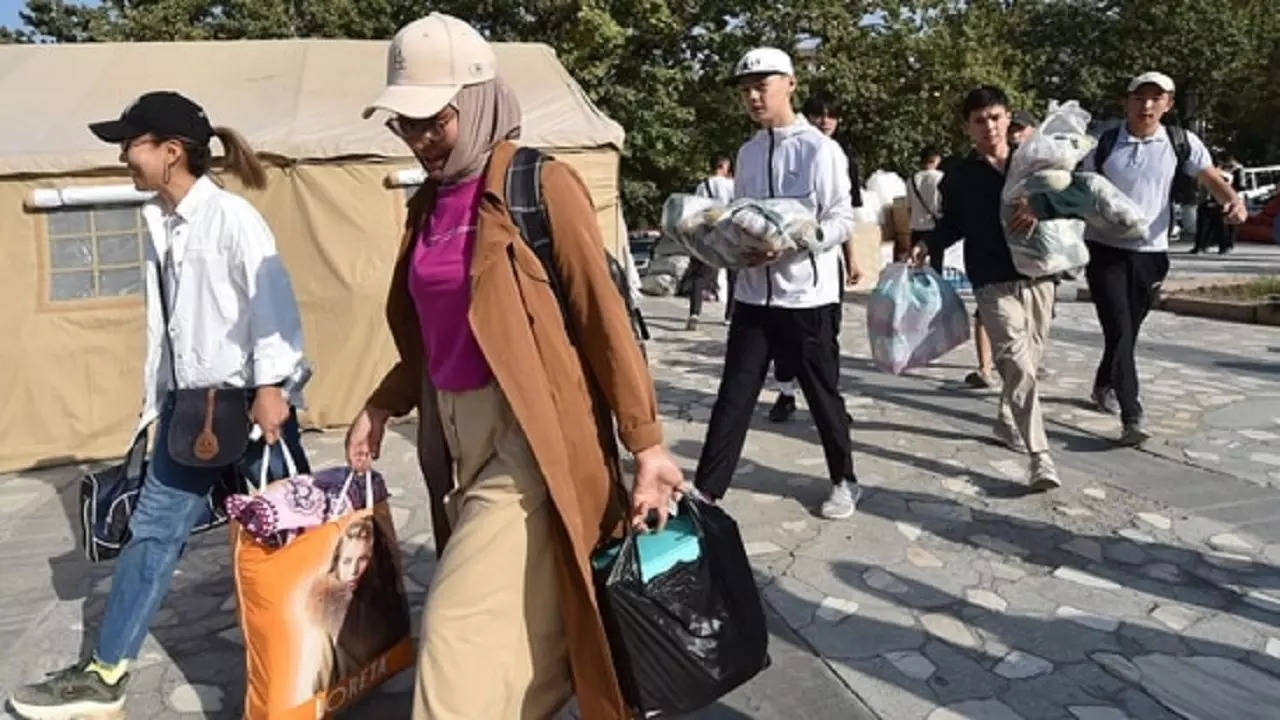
725, 235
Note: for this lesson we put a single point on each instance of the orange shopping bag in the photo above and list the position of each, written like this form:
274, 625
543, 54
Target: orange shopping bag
325, 617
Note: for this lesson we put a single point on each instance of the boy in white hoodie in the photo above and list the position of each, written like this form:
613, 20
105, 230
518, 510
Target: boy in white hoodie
787, 306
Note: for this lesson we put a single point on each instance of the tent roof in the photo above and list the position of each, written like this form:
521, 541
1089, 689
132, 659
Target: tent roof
299, 99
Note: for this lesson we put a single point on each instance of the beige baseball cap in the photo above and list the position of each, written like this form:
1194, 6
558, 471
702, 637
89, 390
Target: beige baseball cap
1159, 79
429, 61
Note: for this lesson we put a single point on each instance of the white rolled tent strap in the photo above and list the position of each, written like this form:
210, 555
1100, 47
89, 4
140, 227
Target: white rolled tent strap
406, 178
84, 195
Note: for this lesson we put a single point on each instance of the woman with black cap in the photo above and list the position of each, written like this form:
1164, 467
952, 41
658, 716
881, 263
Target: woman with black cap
221, 315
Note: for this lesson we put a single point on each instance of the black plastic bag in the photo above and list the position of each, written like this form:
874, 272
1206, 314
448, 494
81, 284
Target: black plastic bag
691, 634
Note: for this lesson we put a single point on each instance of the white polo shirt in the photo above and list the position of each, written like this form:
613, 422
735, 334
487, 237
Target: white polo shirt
1143, 169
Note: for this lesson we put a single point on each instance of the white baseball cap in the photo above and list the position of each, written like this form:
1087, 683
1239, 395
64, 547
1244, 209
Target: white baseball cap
429, 61
1159, 79
764, 61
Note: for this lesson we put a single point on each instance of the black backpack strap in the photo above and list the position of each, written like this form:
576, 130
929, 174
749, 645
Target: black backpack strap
524, 202
1181, 146
1106, 142
164, 315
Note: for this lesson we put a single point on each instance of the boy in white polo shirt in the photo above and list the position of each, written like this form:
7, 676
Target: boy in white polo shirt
1143, 159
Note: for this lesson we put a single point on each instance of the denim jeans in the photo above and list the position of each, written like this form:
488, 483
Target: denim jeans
169, 505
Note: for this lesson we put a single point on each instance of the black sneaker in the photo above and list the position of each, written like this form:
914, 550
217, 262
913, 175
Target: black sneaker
783, 409
73, 692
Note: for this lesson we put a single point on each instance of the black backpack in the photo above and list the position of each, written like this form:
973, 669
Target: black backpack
524, 201
1185, 189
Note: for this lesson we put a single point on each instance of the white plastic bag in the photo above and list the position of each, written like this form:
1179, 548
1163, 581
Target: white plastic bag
913, 318
885, 187
1057, 146
870, 210
723, 235
1060, 143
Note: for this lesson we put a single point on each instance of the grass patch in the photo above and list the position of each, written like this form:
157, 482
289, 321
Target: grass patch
1259, 290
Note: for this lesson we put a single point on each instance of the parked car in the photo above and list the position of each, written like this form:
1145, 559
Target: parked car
642, 243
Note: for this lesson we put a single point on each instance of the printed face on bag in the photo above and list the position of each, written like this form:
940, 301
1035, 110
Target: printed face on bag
146, 157
431, 139
1144, 108
352, 556
767, 98
988, 127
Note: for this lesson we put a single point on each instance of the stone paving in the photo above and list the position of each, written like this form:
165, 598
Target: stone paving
1145, 588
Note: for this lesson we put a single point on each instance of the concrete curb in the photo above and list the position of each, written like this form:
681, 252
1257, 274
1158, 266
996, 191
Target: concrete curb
1254, 313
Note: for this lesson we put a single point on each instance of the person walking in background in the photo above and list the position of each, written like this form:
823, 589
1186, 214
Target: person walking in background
788, 304
1211, 225
1022, 125
1144, 159
719, 187
925, 201
823, 112
220, 313
512, 412
1015, 309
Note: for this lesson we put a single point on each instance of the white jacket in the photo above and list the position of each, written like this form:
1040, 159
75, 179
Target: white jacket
801, 163
233, 317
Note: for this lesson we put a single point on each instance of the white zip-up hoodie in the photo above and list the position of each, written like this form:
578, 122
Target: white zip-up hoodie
800, 163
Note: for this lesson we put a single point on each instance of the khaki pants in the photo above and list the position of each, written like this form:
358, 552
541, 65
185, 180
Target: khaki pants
1017, 316
493, 640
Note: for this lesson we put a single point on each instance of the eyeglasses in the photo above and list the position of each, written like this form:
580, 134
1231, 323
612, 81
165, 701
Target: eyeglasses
432, 128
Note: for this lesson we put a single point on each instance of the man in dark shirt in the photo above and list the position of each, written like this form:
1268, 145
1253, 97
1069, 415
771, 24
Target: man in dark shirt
1015, 309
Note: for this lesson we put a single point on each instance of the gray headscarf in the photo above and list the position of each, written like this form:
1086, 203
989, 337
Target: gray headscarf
488, 113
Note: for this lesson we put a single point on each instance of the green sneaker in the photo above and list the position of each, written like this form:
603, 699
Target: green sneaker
73, 692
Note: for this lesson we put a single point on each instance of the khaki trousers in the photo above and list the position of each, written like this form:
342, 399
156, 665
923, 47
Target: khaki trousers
493, 641
1017, 316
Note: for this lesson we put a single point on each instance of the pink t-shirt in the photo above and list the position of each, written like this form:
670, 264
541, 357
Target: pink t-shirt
440, 284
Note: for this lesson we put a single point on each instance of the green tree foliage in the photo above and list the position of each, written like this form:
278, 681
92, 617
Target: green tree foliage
900, 67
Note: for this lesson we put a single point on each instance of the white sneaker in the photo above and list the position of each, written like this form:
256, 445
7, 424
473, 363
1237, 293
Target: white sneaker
842, 501
1044, 475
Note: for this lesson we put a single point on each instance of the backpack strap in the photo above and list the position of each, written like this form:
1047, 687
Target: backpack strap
524, 202
1106, 142
1181, 146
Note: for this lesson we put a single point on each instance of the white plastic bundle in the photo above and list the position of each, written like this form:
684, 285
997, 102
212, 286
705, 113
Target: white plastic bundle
1050, 156
724, 235
883, 188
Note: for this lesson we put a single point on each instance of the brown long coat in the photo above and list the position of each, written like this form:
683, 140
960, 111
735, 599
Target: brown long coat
519, 327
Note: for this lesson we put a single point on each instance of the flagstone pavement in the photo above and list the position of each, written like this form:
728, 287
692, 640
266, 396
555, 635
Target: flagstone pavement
1147, 587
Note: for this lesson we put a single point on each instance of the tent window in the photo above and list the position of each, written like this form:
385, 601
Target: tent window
95, 252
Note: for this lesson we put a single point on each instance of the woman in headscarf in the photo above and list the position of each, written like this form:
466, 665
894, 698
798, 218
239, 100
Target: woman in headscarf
520, 480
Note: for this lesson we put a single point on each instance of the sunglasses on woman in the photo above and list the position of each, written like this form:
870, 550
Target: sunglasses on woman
432, 128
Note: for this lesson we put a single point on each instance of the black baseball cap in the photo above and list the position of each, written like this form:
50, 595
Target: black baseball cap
163, 113
1023, 118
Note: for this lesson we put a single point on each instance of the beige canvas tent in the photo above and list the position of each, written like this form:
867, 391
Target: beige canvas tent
70, 365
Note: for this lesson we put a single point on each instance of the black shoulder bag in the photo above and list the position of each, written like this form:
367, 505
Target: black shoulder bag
209, 426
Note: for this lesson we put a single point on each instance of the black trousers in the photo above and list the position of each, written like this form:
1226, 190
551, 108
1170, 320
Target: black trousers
1211, 227
1123, 285
803, 339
